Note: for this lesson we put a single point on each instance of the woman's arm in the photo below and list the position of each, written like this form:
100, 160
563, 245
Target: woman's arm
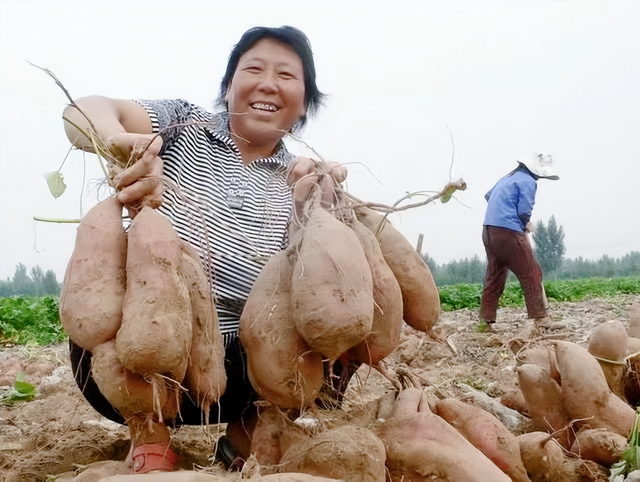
108, 116
125, 128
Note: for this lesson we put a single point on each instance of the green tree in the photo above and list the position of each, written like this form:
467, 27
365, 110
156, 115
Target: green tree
22, 284
549, 245
37, 278
431, 263
6, 288
50, 285
33, 283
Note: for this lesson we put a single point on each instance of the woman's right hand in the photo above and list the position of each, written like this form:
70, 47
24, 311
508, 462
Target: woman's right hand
140, 184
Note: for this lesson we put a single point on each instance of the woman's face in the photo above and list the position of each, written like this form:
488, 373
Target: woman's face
266, 94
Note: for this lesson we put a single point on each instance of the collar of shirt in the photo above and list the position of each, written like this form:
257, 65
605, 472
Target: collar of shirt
219, 129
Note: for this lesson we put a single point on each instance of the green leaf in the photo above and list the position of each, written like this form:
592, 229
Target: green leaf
446, 197
21, 391
55, 180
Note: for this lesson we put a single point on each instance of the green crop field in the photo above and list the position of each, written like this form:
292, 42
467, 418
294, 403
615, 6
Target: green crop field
34, 319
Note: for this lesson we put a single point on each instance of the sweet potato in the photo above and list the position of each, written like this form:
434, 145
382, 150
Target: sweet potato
586, 393
542, 456
634, 319
542, 354
387, 313
422, 446
273, 435
95, 280
631, 377
206, 378
156, 331
609, 340
486, 433
194, 476
331, 288
545, 461
608, 343
514, 399
545, 404
420, 297
599, 445
281, 366
129, 393
347, 453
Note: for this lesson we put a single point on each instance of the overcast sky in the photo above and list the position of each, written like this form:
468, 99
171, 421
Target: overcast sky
503, 78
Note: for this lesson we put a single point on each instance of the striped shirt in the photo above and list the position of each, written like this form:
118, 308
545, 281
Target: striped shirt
235, 216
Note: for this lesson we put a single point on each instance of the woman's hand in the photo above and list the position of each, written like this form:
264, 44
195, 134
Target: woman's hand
140, 184
307, 173
304, 176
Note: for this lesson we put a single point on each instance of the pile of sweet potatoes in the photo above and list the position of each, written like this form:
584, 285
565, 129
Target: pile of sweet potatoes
140, 302
339, 291
581, 399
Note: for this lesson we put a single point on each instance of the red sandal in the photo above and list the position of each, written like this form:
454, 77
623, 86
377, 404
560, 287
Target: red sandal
149, 457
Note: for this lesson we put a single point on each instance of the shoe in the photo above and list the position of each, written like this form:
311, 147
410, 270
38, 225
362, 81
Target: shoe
486, 327
547, 324
153, 457
226, 455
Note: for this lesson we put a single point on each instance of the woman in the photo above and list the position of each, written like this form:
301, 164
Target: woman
232, 166
506, 223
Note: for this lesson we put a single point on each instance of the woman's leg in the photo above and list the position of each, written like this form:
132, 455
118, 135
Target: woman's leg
128, 398
81, 367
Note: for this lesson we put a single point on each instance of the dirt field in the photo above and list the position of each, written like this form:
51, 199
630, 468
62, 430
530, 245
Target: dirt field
59, 432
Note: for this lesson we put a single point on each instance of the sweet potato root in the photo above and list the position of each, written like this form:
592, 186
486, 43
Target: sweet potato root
95, 281
386, 328
545, 404
586, 393
156, 331
420, 297
422, 446
331, 287
608, 343
599, 445
634, 319
545, 461
539, 353
486, 433
282, 368
206, 378
273, 435
347, 453
129, 393
542, 456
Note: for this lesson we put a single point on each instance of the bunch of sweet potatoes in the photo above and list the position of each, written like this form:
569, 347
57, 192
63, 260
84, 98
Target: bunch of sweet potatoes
140, 301
339, 291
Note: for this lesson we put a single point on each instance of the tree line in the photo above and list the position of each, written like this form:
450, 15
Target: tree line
35, 282
549, 249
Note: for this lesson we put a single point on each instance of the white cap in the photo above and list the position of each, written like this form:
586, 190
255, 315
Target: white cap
541, 165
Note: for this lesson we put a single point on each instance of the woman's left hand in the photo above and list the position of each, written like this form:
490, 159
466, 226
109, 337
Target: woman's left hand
307, 173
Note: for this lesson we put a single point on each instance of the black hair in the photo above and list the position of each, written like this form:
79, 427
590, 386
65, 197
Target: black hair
295, 39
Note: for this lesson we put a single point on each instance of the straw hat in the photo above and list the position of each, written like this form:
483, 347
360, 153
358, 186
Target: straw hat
541, 165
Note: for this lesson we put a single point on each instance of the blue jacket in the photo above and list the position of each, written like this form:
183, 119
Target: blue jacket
511, 200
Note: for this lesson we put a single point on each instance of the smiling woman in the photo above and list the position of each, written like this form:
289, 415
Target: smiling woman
265, 98
229, 180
